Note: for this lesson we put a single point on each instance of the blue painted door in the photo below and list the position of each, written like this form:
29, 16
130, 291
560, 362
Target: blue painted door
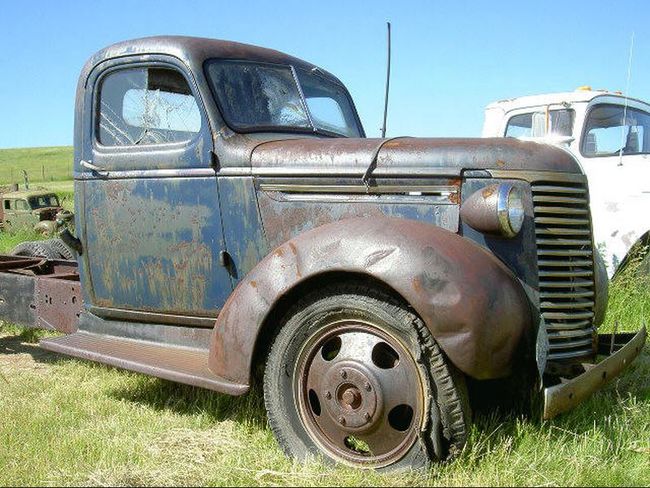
149, 197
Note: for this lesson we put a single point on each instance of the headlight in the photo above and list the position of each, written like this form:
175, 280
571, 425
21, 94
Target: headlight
495, 209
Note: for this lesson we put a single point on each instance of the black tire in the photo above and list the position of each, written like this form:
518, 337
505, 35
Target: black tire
438, 430
61, 248
35, 248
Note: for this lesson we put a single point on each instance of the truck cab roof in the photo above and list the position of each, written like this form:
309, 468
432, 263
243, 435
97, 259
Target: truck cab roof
577, 96
27, 194
194, 51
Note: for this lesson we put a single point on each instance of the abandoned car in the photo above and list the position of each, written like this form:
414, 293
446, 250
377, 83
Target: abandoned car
37, 209
233, 222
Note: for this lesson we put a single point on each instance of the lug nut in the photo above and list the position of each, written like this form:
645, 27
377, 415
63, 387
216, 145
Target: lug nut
344, 374
367, 386
328, 395
342, 420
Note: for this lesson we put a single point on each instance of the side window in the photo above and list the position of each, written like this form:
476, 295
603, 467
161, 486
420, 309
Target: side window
139, 106
560, 123
22, 205
7, 204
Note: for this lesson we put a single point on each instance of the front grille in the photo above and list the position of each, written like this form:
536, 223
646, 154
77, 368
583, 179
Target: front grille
566, 267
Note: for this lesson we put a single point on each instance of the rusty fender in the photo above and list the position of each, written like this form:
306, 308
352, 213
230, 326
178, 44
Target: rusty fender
474, 307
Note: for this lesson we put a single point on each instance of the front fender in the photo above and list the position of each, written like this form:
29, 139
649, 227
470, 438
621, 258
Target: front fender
472, 304
46, 227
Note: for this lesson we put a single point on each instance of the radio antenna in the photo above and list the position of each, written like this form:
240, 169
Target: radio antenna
383, 127
627, 91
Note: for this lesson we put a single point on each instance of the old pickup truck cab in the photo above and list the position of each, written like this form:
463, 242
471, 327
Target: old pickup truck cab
233, 222
609, 134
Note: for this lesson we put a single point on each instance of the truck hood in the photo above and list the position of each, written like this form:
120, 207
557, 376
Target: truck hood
417, 155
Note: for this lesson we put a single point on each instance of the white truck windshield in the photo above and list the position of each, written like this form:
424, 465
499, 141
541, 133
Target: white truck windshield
612, 129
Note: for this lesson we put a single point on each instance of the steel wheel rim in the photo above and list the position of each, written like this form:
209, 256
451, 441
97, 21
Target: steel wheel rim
359, 393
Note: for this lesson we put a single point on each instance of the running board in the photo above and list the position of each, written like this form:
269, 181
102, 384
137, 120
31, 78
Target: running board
175, 363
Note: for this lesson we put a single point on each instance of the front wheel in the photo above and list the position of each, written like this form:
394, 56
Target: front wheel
355, 375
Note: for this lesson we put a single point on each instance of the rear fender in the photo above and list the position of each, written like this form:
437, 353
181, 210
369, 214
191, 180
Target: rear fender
472, 304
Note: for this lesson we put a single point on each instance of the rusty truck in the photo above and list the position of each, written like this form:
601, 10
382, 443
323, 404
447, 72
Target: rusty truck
35, 209
234, 226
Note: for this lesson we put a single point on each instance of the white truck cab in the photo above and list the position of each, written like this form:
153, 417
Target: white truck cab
610, 135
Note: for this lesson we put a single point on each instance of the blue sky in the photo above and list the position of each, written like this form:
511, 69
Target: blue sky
449, 58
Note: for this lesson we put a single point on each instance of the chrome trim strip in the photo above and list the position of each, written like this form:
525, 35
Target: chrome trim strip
361, 189
147, 173
362, 198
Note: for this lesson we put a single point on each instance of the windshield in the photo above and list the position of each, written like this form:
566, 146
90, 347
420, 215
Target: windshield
611, 130
259, 96
44, 201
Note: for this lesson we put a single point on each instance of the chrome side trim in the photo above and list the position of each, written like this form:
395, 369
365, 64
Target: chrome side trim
147, 173
381, 189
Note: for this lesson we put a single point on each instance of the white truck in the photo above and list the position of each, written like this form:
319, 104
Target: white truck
609, 134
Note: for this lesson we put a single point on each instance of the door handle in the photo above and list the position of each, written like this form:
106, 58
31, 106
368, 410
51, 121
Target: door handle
94, 168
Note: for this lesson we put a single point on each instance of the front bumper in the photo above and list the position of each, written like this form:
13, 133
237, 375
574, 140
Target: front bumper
568, 394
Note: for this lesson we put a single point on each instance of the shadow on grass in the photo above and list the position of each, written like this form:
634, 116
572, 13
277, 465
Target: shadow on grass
27, 343
182, 399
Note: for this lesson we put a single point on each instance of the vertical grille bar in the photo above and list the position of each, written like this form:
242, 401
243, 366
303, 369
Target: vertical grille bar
566, 267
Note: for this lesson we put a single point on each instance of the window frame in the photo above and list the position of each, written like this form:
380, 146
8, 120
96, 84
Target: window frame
313, 130
583, 135
96, 99
532, 111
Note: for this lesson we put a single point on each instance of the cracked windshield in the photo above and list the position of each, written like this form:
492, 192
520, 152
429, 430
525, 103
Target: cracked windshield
256, 96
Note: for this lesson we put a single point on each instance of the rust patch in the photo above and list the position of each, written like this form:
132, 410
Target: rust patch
253, 283
417, 285
488, 191
455, 198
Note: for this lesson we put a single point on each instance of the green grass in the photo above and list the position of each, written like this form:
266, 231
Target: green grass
9, 240
71, 422
43, 164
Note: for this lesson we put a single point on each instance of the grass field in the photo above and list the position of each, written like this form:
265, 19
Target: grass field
70, 422
43, 164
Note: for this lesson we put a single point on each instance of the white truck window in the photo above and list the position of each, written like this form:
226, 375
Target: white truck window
610, 129
534, 124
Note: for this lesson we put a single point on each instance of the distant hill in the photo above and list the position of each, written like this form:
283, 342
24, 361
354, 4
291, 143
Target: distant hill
41, 163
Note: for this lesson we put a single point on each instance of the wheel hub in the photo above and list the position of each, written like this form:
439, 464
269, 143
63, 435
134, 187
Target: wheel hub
352, 396
361, 393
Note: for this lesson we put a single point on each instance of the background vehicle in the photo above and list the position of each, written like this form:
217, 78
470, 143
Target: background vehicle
232, 218
610, 135
36, 209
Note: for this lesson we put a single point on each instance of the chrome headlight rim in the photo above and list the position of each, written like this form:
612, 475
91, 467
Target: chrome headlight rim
510, 209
